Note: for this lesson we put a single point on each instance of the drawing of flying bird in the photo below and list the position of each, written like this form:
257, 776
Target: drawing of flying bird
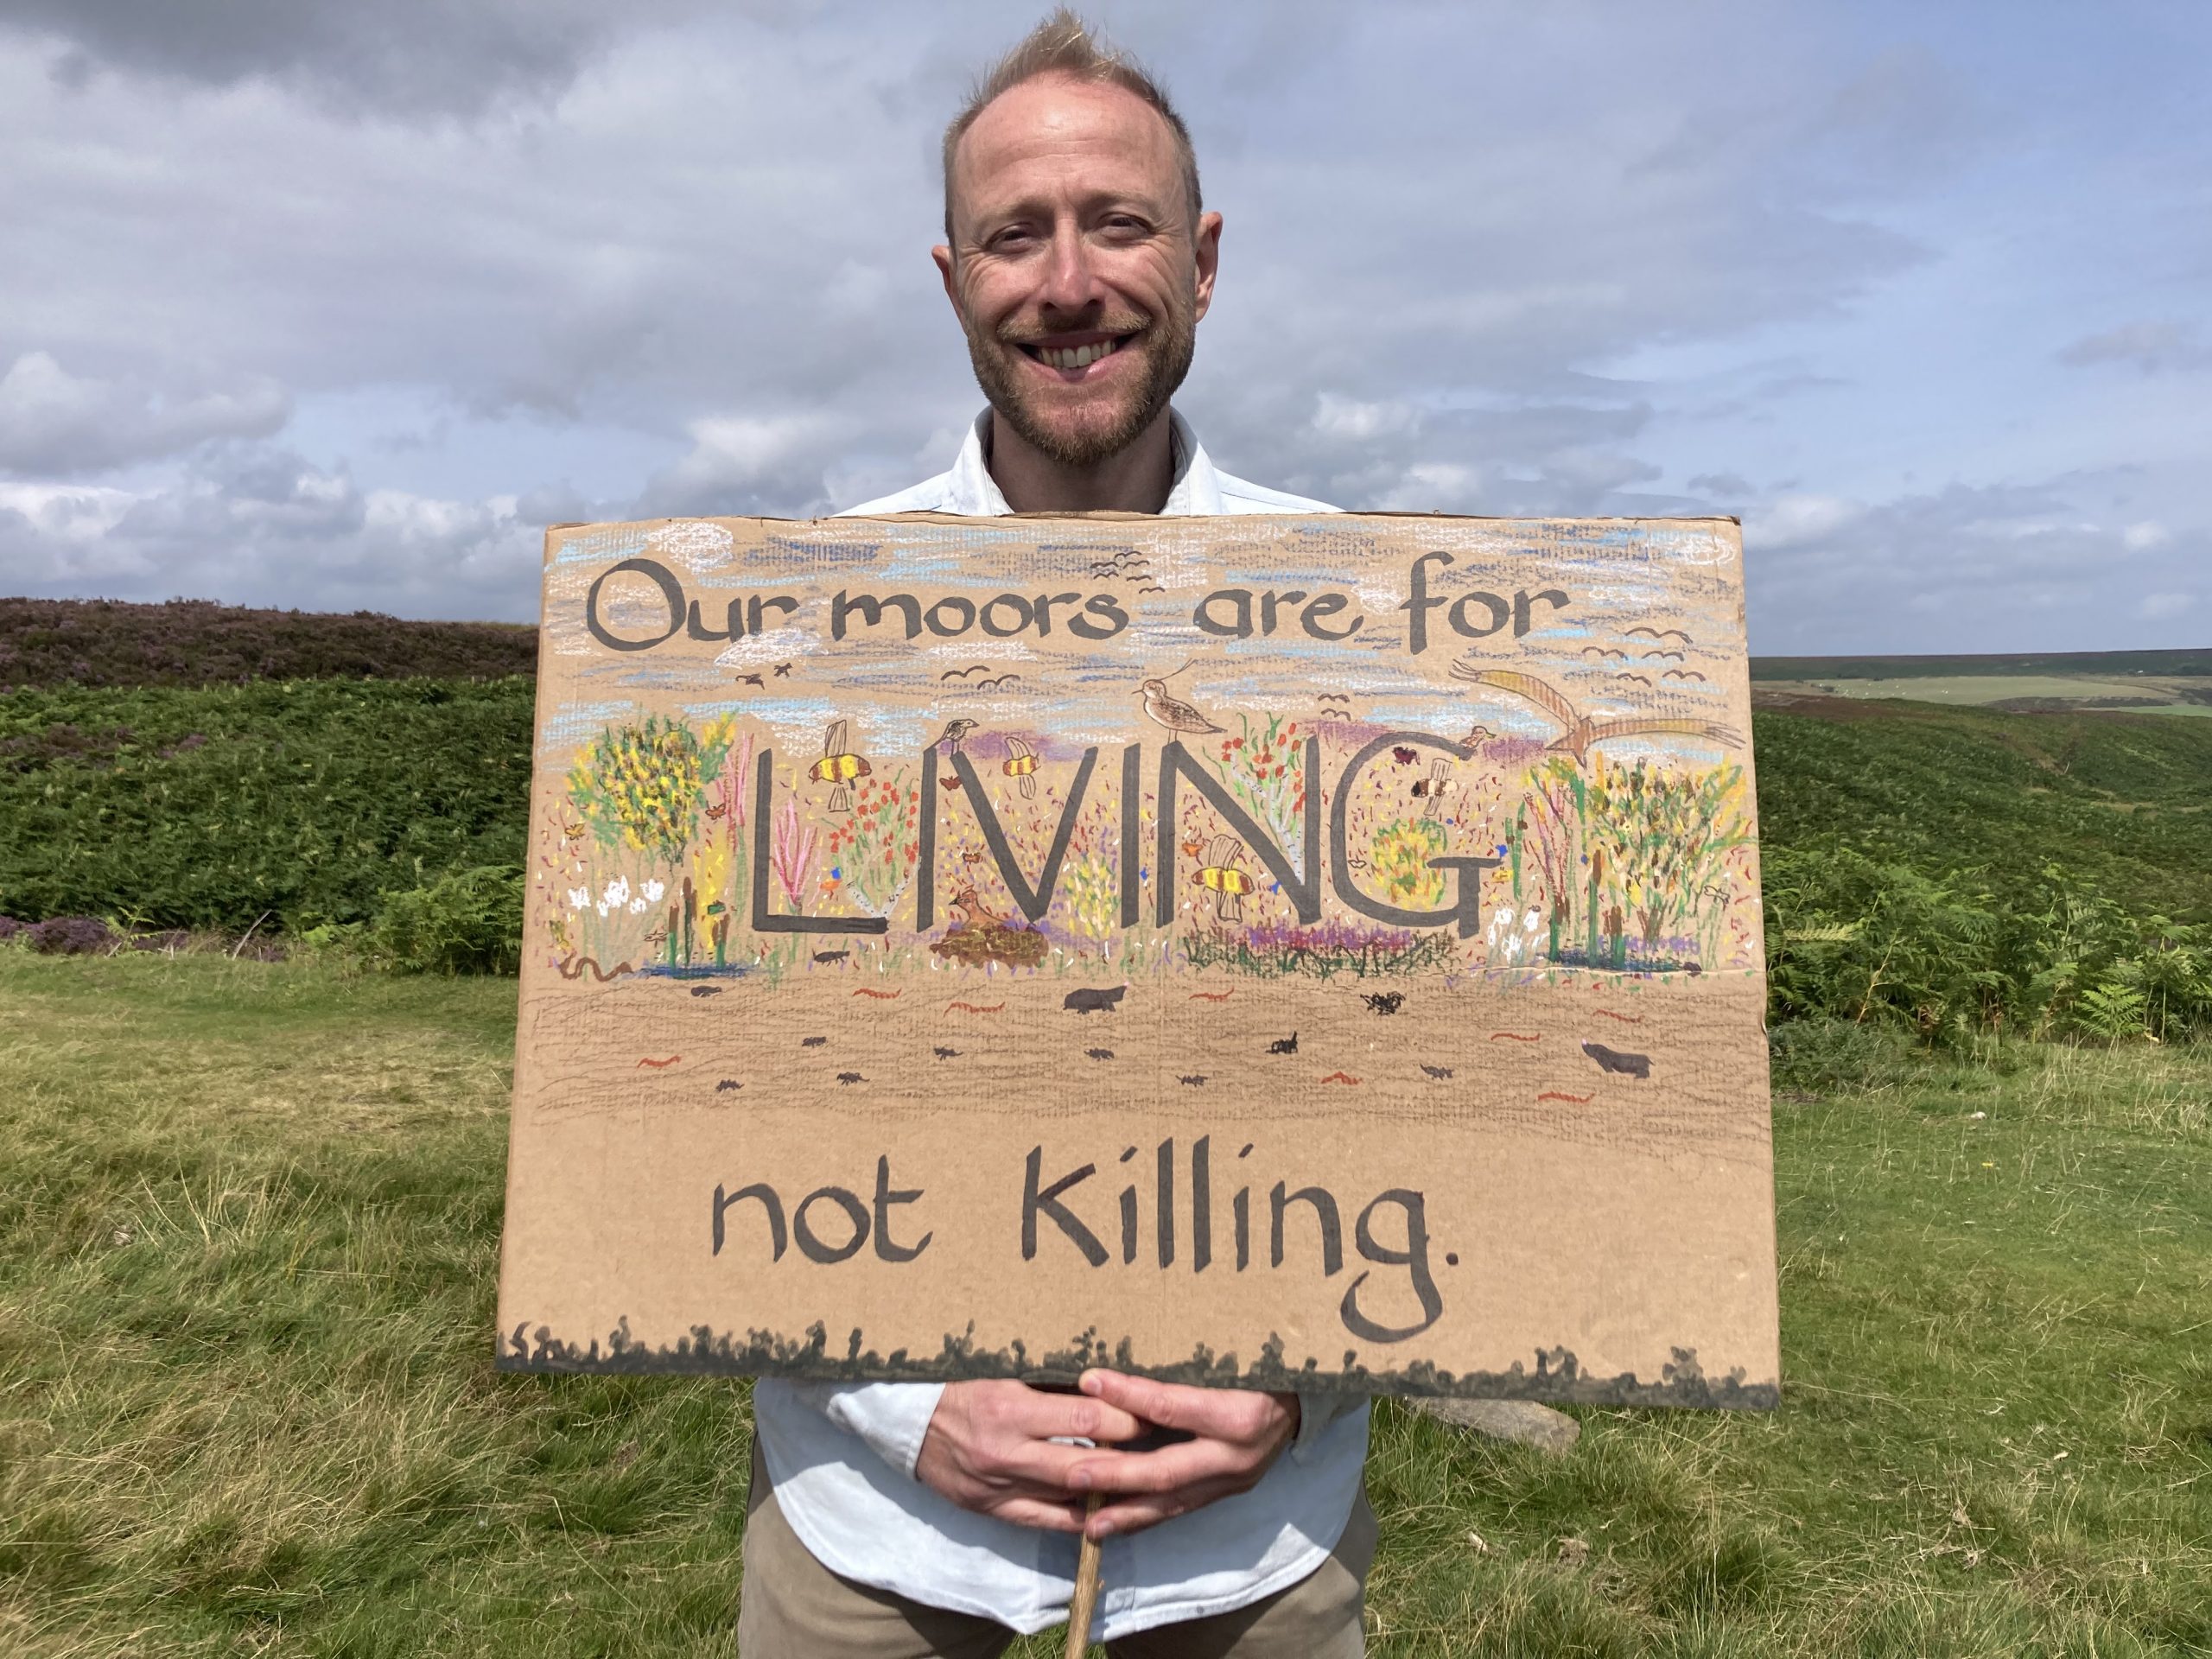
1582, 732
1681, 674
838, 766
1173, 713
1021, 765
1600, 653
752, 679
1660, 633
962, 673
1000, 683
1641, 679
1434, 787
1149, 588
1220, 876
955, 732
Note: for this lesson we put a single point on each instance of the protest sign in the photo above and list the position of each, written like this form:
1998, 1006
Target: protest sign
1316, 951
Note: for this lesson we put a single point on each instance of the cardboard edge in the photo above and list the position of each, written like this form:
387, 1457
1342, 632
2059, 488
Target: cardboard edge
1556, 1376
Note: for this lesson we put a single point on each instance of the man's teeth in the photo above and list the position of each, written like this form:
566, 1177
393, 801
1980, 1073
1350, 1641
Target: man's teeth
1077, 357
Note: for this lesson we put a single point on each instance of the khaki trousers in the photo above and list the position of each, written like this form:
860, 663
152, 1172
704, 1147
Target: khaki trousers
793, 1607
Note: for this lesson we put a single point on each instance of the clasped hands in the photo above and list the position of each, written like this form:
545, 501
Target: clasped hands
999, 1448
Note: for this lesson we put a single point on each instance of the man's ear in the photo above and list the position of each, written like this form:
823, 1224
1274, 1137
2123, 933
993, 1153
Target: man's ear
943, 255
1206, 245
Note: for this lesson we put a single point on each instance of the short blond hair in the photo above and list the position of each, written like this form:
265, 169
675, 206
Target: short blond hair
1065, 45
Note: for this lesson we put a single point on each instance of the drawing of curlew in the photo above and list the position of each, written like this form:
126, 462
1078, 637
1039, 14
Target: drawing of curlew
1021, 766
955, 732
838, 766
1582, 732
1171, 712
1220, 876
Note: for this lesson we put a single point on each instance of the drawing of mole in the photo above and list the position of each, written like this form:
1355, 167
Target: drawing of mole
1611, 1059
1095, 1001
1284, 1045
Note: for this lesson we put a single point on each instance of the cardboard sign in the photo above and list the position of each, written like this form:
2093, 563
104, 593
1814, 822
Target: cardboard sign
1257, 951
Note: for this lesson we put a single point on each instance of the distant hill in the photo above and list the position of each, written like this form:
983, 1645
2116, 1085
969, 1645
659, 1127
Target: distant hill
99, 642
2100, 664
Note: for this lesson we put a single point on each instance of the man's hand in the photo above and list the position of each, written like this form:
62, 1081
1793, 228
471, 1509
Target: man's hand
990, 1448
1235, 1437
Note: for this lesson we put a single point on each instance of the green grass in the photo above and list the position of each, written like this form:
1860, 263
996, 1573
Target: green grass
249, 1222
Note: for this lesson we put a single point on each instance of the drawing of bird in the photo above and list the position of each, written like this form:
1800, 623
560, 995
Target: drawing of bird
1220, 876
752, 679
1582, 732
966, 900
955, 732
1173, 713
838, 766
1021, 765
1477, 735
1434, 787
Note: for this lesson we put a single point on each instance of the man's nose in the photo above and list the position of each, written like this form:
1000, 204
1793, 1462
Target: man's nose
1071, 279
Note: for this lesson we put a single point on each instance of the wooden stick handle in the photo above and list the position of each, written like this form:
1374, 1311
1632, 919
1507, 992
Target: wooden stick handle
1084, 1602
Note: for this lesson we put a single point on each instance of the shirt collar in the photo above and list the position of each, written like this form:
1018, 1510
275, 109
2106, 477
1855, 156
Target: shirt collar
1195, 490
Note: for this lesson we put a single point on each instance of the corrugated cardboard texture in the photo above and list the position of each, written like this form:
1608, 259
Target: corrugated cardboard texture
1319, 951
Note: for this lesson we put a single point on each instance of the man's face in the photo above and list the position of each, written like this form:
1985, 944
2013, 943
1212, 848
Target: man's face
1074, 267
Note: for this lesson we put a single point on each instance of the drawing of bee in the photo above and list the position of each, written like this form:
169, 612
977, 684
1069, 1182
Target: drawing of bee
573, 833
839, 766
972, 855
1228, 884
1403, 756
717, 810
1434, 787
1023, 765
1191, 847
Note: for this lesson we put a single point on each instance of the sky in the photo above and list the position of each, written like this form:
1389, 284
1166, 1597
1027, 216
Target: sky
318, 304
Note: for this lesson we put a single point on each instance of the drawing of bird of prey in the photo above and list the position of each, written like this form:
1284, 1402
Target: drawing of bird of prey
1171, 712
955, 732
1582, 732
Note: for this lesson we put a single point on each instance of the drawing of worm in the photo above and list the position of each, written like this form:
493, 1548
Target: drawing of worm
1578, 1100
660, 1065
1212, 996
969, 1007
1625, 1019
881, 996
574, 969
1340, 1077
1516, 1036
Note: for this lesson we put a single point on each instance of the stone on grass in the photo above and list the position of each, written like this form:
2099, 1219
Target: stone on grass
1522, 1422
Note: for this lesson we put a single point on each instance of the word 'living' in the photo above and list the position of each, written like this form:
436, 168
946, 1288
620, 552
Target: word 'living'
1224, 613
850, 1224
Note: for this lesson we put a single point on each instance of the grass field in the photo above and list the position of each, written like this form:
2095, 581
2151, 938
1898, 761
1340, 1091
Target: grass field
249, 1220
2144, 696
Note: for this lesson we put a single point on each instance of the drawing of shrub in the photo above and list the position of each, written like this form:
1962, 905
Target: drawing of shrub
1266, 771
1399, 853
1661, 840
643, 785
877, 845
791, 855
1093, 896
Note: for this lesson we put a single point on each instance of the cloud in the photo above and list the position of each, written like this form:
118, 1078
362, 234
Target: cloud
57, 424
2151, 348
1722, 484
406, 57
2157, 606
243, 524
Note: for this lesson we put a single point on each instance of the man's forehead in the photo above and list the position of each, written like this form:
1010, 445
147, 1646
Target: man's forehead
1053, 130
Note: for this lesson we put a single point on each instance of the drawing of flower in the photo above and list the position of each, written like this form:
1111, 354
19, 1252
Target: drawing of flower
579, 898
653, 890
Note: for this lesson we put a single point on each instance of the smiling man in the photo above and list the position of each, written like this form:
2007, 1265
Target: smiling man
892, 1520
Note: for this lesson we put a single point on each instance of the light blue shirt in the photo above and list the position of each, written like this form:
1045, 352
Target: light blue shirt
842, 1454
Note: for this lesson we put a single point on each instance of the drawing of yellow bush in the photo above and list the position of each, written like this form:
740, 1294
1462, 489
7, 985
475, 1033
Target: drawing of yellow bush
1092, 896
1399, 853
641, 786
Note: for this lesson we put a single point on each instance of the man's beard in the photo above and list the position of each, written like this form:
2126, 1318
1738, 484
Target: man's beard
1169, 345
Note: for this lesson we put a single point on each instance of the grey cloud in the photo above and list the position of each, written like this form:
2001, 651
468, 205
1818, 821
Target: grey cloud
2152, 348
57, 424
245, 525
2016, 567
1724, 484
408, 57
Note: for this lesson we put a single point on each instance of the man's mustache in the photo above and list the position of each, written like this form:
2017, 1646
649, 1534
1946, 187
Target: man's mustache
1027, 333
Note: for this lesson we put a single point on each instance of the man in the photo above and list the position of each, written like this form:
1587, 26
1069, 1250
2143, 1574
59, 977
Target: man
891, 1520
